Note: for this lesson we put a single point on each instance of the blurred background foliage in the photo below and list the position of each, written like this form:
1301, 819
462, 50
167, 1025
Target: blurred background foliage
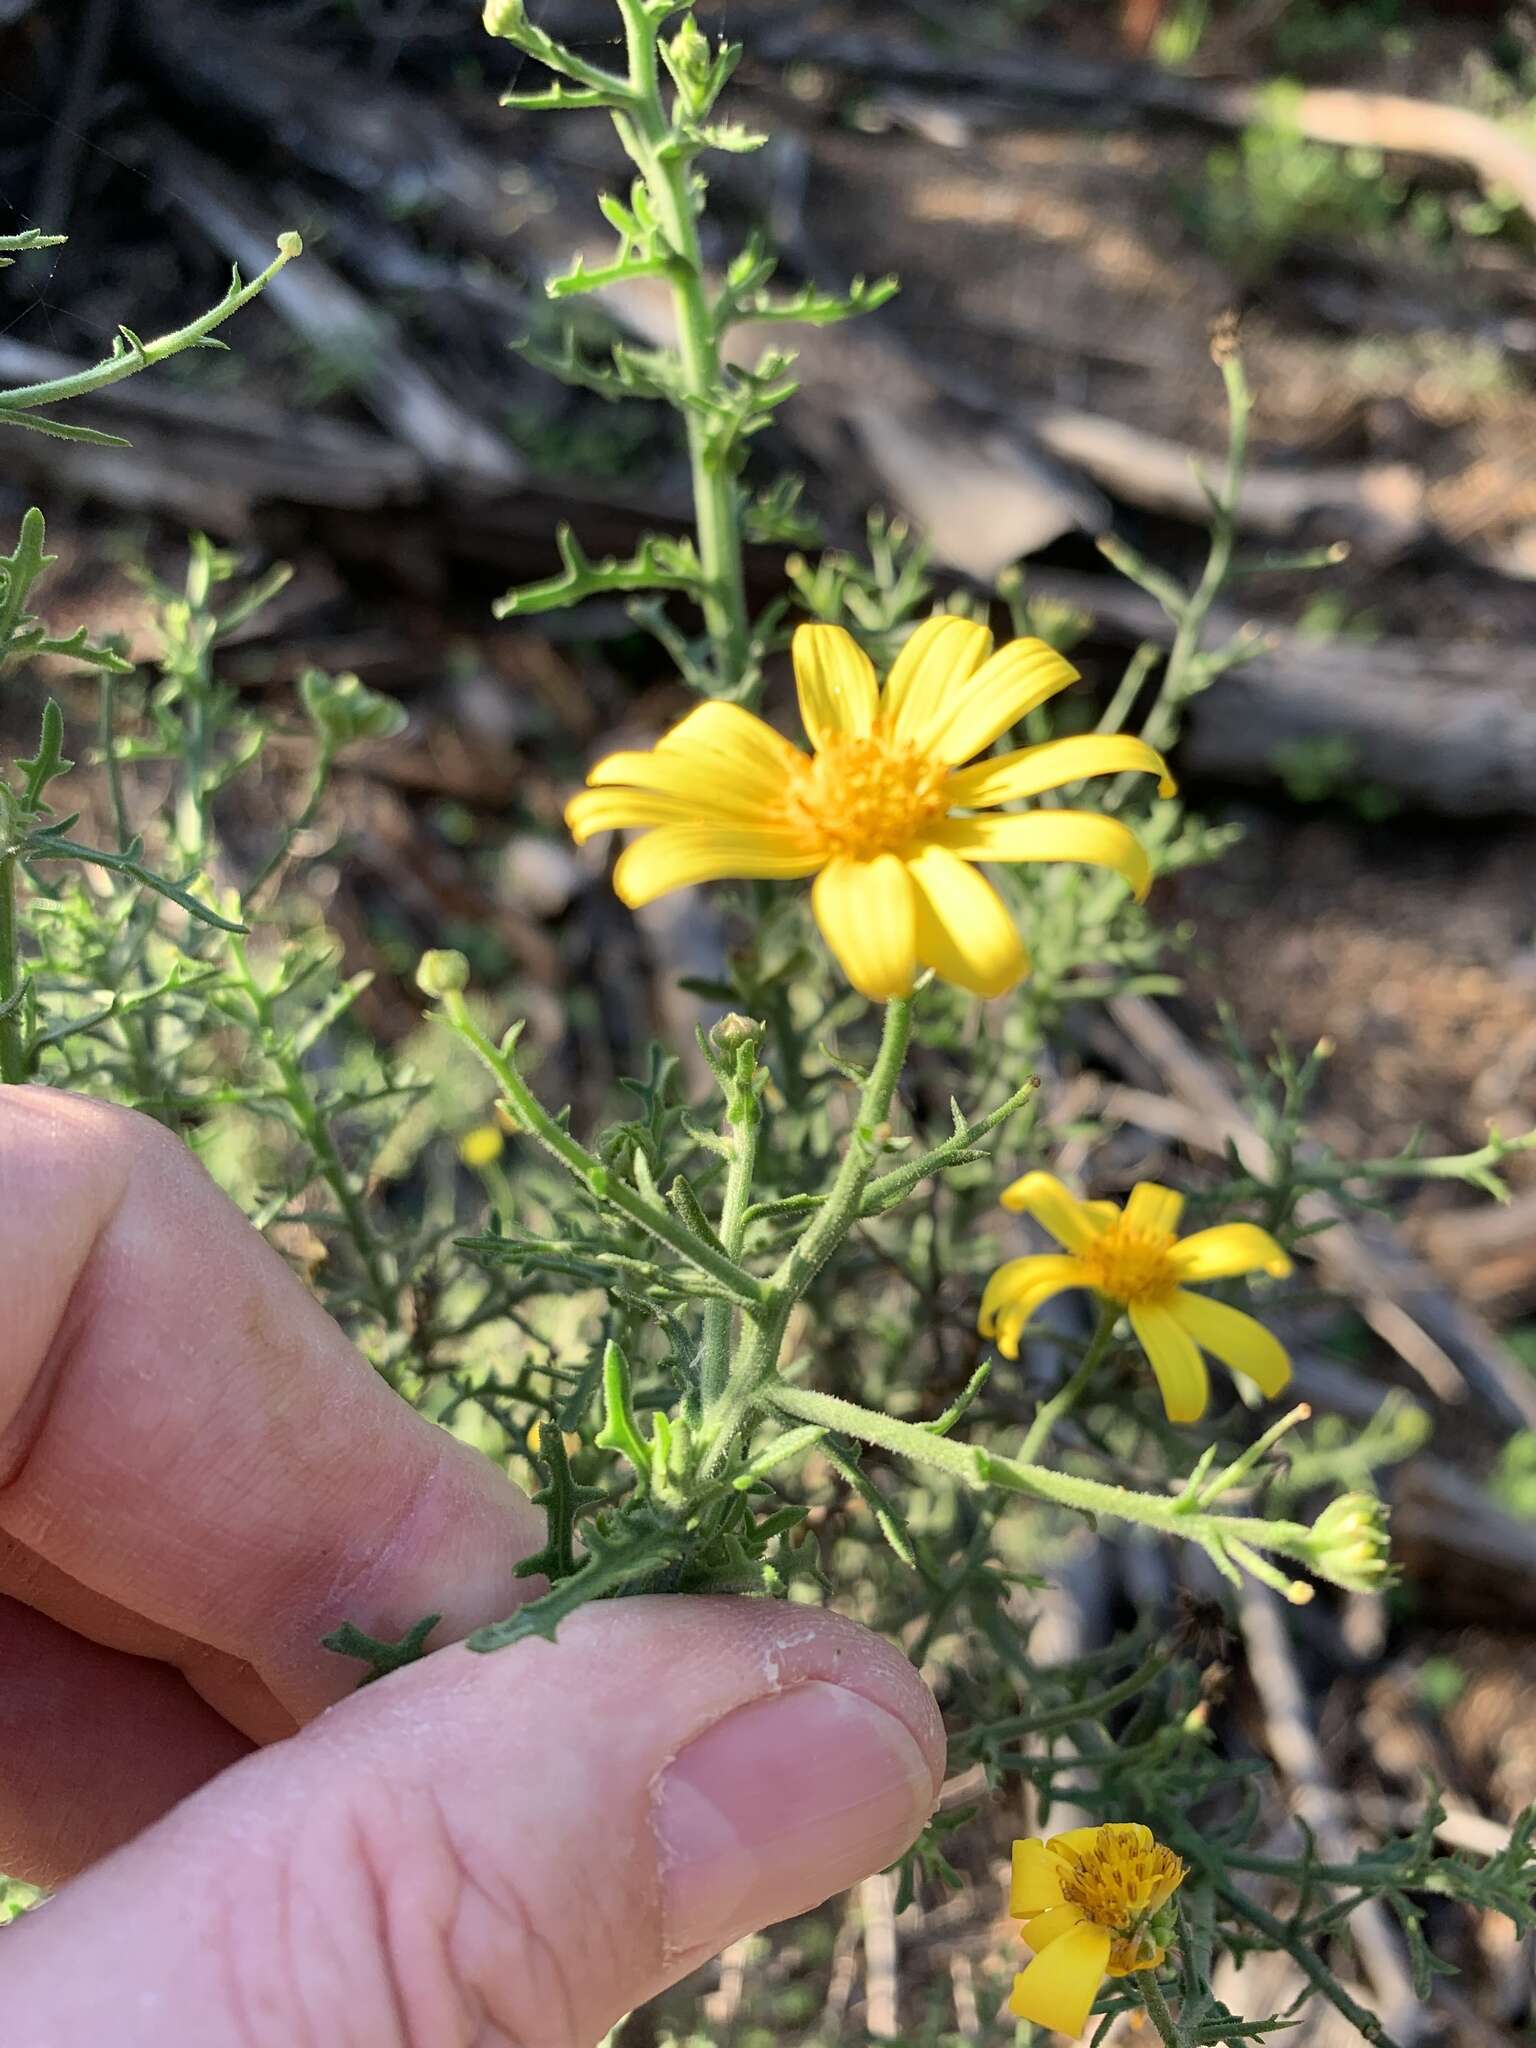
1073, 193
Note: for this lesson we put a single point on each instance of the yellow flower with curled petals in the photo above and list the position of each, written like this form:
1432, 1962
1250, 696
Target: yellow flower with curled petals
881, 811
1093, 1905
1135, 1257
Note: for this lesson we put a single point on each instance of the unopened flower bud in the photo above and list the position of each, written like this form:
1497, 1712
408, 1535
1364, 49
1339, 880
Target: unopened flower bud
482, 1146
693, 68
1348, 1544
734, 1031
442, 973
504, 17
688, 56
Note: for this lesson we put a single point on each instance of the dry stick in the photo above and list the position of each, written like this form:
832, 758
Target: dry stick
1452, 1349
721, 2005
877, 1905
842, 1974
1294, 1746
1032, 73
1451, 724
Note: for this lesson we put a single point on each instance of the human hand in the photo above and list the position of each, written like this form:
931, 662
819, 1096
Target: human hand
198, 1478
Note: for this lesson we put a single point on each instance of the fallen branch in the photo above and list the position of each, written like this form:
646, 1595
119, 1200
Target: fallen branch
1450, 724
1027, 73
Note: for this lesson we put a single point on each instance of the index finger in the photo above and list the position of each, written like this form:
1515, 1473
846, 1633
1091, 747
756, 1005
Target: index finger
189, 1440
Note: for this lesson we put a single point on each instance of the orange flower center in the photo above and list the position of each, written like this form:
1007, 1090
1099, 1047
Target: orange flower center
1119, 1883
865, 794
1132, 1265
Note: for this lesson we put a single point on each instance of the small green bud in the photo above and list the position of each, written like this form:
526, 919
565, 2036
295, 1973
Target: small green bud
688, 54
734, 1031
442, 973
290, 244
1348, 1543
696, 71
504, 17
343, 709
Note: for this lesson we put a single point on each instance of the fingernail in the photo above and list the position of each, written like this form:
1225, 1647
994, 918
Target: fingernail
780, 1804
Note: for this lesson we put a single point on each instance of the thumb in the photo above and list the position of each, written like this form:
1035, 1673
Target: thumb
499, 1850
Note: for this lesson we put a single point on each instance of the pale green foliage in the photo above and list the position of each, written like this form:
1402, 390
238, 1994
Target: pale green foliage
744, 1308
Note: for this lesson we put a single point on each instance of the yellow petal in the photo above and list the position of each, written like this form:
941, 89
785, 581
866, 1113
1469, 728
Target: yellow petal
1036, 1885
1016, 679
592, 811
964, 933
676, 856
726, 736
1077, 1841
1060, 1985
1048, 835
1228, 1249
1041, 1929
1017, 1289
936, 663
1153, 1208
869, 919
721, 758
1181, 1374
1151, 1959
1241, 1344
1007, 777
1056, 1209
835, 680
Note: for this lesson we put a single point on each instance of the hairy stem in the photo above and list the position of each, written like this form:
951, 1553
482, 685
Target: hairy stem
142, 355
744, 1116
982, 1469
758, 1356
1061, 1403
647, 135
1157, 2009
604, 1183
13, 1052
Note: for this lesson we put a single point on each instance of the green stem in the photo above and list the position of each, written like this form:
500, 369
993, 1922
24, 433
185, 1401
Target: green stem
1279, 1936
844, 1200
143, 355
191, 823
1056, 1720
1157, 2009
1163, 721
314, 1127
981, 1469
648, 137
757, 1360
13, 1051
1061, 1403
744, 1115
319, 783
603, 1182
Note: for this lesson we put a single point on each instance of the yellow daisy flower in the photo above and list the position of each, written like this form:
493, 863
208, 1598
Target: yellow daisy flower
1134, 1256
881, 811
1091, 1902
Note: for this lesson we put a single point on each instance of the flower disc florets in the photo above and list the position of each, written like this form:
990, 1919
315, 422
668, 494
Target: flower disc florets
865, 794
1132, 1265
1120, 1883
